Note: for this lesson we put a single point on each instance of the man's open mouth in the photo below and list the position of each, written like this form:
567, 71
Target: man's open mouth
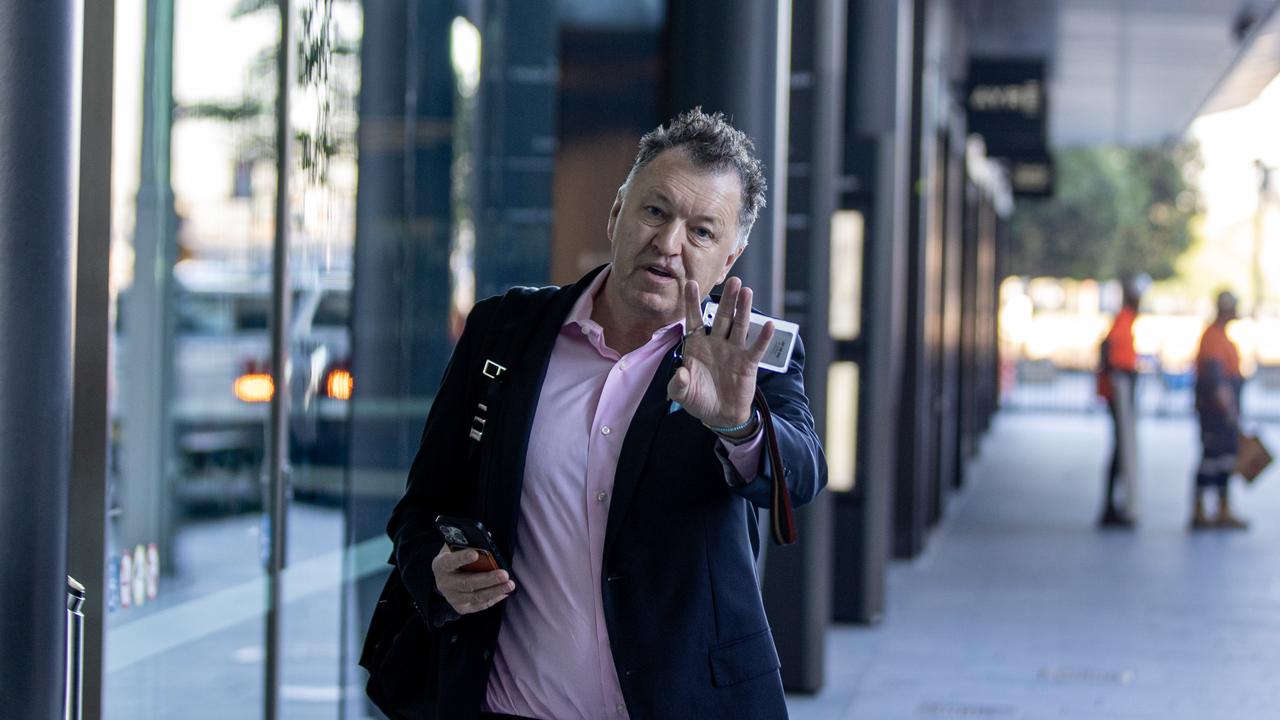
661, 272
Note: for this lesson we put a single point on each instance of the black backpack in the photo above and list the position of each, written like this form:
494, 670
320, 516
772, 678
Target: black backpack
400, 650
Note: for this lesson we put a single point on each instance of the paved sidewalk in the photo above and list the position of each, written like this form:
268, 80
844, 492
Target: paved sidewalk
1020, 608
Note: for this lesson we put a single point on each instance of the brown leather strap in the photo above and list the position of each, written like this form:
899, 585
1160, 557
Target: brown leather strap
781, 517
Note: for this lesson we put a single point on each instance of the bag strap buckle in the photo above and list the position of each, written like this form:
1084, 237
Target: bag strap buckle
492, 369
477, 423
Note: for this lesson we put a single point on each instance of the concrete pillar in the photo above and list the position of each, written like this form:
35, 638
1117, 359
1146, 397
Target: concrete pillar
814, 166
733, 56
146, 351
877, 168
38, 101
917, 421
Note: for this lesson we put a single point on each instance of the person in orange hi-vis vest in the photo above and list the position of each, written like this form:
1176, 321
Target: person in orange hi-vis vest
1117, 383
1218, 386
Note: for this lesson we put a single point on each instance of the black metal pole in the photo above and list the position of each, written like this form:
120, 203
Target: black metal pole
278, 434
37, 123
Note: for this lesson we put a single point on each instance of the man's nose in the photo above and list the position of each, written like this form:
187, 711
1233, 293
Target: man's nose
667, 239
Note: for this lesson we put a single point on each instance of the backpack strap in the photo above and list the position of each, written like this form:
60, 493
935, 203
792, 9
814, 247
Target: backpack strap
518, 315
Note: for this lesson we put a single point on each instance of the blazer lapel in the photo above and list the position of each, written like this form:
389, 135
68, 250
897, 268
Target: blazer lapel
518, 404
653, 408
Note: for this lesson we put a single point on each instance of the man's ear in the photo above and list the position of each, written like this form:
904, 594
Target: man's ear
614, 212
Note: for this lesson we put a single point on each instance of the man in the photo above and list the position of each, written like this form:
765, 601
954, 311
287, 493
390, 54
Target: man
1218, 385
1117, 383
625, 468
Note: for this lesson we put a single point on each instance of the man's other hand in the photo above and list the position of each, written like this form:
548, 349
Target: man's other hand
468, 592
717, 380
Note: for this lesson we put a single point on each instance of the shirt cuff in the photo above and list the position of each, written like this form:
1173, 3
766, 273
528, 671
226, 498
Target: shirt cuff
741, 462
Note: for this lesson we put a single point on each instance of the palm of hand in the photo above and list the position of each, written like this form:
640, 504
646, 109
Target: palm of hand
718, 379
721, 380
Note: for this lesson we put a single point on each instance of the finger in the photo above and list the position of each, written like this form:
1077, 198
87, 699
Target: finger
463, 581
481, 596
757, 349
450, 560
678, 387
490, 602
724, 316
470, 602
741, 318
692, 306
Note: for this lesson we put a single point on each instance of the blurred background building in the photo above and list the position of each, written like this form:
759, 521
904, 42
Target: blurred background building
261, 223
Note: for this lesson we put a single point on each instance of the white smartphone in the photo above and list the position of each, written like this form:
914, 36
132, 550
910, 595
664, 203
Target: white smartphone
778, 355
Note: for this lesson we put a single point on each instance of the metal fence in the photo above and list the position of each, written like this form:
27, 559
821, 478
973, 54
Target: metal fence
1041, 386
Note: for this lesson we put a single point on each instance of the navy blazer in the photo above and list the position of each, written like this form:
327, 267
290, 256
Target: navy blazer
682, 603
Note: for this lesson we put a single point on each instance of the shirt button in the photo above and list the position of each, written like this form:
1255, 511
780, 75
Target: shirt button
622, 365
622, 708
605, 430
601, 496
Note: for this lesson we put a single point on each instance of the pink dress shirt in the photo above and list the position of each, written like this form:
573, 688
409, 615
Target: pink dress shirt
553, 659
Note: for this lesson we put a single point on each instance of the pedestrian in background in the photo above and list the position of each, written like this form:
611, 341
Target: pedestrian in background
1117, 383
1218, 385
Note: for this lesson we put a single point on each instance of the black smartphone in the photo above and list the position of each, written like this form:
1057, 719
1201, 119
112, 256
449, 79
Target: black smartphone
462, 533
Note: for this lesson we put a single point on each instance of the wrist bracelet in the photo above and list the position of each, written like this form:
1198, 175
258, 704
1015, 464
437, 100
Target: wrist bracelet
725, 430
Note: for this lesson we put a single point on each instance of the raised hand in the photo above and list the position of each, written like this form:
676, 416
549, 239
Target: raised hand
717, 380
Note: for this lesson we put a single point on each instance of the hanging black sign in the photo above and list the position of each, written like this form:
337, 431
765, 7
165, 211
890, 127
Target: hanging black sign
1007, 105
1031, 177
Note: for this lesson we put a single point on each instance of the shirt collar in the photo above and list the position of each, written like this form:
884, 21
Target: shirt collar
579, 316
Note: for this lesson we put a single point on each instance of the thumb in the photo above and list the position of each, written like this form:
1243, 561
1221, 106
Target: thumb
678, 388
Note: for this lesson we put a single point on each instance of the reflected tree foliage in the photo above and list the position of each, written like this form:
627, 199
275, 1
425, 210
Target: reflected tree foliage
326, 72
1116, 212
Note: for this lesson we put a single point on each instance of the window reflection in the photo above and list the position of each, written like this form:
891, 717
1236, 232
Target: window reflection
322, 182
465, 54
193, 216
452, 134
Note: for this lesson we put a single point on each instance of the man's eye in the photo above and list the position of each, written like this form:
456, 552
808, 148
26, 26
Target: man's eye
653, 212
703, 234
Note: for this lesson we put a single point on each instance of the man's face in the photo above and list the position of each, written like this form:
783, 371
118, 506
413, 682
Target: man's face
673, 223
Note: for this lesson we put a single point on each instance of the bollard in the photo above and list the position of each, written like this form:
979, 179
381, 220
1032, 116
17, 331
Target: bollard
75, 648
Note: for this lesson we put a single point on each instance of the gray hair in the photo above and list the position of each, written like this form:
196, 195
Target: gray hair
714, 145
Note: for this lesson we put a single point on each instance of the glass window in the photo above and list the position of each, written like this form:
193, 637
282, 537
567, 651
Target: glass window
193, 209
453, 202
321, 178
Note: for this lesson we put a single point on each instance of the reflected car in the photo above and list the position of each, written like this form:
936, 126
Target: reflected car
223, 385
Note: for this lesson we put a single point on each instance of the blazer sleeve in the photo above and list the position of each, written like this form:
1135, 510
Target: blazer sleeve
436, 484
804, 464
